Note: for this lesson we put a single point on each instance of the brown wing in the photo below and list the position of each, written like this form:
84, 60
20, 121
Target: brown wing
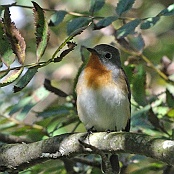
127, 129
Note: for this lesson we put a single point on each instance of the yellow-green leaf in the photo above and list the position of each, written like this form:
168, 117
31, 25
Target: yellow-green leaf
170, 113
11, 77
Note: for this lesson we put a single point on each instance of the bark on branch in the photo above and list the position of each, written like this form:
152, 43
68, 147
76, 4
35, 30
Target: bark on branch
20, 156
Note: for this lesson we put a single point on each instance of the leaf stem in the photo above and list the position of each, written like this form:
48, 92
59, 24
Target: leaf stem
150, 64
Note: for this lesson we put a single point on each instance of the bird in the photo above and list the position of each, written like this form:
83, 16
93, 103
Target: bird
103, 92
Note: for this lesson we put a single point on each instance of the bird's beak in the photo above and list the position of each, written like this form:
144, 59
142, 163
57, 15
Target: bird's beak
91, 50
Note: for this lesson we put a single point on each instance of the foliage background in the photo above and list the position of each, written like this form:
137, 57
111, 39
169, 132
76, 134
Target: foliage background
35, 113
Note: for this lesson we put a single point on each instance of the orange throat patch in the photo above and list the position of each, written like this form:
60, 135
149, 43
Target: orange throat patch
96, 74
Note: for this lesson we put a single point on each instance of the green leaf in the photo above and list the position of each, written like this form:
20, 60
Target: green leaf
27, 103
5, 50
169, 99
139, 118
42, 32
77, 23
123, 6
14, 75
168, 11
170, 113
59, 111
25, 79
139, 85
18, 106
17, 41
96, 5
155, 121
57, 18
149, 22
127, 28
105, 22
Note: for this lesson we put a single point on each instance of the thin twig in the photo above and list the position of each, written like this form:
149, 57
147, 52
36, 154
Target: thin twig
75, 127
33, 126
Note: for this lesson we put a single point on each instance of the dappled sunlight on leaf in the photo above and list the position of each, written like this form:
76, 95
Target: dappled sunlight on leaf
11, 77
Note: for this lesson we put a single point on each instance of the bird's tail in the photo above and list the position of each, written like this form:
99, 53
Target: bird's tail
114, 164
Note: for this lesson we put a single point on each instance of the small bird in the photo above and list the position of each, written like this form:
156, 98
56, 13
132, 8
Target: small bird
103, 91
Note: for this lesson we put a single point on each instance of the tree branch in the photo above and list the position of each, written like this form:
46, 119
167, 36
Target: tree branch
21, 156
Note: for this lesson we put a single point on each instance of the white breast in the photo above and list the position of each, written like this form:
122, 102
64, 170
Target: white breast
104, 109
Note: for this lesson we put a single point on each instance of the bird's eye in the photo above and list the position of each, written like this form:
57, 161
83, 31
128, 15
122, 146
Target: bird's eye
108, 55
